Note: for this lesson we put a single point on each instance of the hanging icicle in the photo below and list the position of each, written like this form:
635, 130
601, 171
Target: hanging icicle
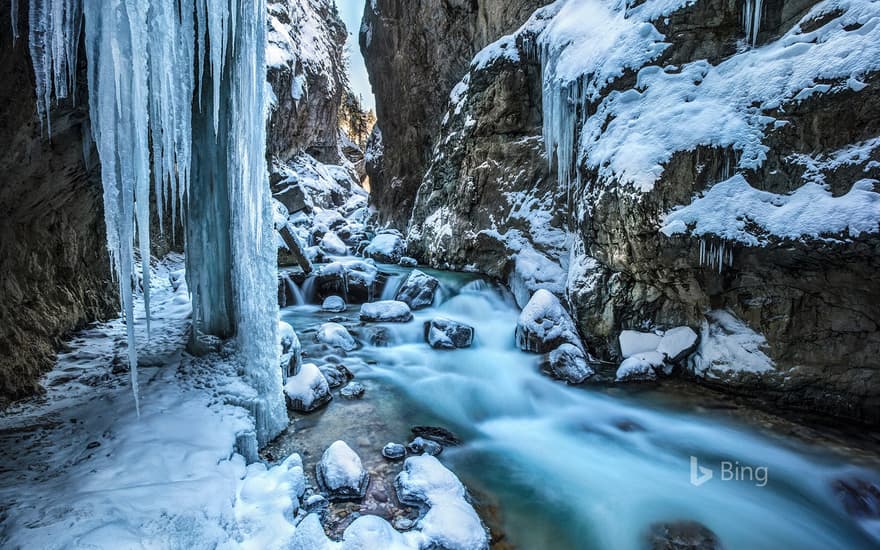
752, 12
716, 256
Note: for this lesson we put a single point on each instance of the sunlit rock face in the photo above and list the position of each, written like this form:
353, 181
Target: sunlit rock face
415, 53
53, 261
690, 172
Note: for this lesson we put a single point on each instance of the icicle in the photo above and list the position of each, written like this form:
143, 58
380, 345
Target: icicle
752, 12
13, 17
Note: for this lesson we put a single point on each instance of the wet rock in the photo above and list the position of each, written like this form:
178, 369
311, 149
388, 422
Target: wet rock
355, 390
333, 245
406, 261
418, 290
308, 390
568, 363
640, 367
394, 451
860, 498
340, 473
380, 337
337, 336
421, 445
386, 312
682, 535
336, 375
438, 435
386, 248
333, 304
678, 343
443, 333
544, 324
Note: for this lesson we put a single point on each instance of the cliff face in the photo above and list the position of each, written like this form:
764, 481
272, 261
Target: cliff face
307, 73
705, 173
415, 53
53, 261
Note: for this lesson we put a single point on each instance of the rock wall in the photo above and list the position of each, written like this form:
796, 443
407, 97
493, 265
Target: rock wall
415, 53
53, 261
489, 202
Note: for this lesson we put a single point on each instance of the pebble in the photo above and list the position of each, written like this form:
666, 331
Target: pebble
394, 451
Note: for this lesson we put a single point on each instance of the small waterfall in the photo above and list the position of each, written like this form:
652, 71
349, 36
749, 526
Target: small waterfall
307, 293
389, 292
292, 295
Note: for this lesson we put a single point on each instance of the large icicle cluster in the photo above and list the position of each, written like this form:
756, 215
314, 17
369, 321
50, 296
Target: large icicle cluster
177, 101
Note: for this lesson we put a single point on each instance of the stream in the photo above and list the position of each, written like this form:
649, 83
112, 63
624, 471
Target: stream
561, 467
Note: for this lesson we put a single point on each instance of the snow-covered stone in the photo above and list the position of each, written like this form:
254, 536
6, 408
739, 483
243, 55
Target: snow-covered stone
394, 451
309, 535
420, 445
387, 247
633, 342
678, 343
336, 375
354, 390
289, 349
370, 532
337, 336
544, 324
352, 279
443, 333
418, 290
334, 304
640, 367
729, 348
341, 474
568, 363
406, 261
307, 390
388, 311
331, 243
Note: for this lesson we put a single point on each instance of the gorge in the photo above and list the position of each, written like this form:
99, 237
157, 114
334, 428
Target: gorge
603, 274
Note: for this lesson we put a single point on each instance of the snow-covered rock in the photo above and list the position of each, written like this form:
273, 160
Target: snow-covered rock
387, 247
678, 343
544, 324
309, 535
337, 336
334, 304
422, 446
333, 244
354, 390
336, 375
307, 390
406, 261
443, 333
633, 342
729, 348
354, 280
289, 349
388, 311
418, 290
568, 363
640, 367
394, 451
340, 473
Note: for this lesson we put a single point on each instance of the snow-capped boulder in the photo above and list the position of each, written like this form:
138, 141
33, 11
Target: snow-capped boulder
633, 342
354, 390
443, 333
307, 390
336, 375
678, 343
337, 336
568, 363
340, 473
331, 243
544, 324
418, 290
388, 311
289, 349
387, 248
730, 350
370, 532
394, 451
406, 261
334, 304
640, 367
352, 279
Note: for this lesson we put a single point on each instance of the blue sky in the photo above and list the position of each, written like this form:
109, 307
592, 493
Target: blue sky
351, 12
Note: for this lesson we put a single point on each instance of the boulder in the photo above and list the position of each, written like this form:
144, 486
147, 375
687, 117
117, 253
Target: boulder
334, 304
387, 248
394, 451
633, 342
340, 473
307, 390
568, 363
337, 336
640, 367
378, 336
418, 290
354, 390
336, 375
354, 280
678, 343
386, 312
544, 324
406, 261
443, 333
333, 245
682, 535
420, 445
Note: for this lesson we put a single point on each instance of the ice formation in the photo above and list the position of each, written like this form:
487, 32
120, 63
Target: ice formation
183, 82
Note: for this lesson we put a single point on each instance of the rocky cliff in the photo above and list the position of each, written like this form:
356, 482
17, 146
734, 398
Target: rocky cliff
415, 53
706, 172
53, 262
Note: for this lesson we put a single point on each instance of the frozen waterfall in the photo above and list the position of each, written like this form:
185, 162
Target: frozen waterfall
177, 107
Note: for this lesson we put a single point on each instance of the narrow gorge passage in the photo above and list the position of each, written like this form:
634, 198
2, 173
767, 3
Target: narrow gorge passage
440, 275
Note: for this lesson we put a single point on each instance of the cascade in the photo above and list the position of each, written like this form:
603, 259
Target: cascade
177, 101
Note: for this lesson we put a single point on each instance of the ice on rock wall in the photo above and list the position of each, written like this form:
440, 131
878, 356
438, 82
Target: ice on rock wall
177, 97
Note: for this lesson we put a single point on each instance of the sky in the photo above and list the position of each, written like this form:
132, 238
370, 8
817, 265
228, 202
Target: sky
351, 12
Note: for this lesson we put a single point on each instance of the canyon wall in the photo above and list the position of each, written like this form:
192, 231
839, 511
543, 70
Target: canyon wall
708, 180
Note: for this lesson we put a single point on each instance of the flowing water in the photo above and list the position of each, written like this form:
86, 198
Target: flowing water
576, 467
